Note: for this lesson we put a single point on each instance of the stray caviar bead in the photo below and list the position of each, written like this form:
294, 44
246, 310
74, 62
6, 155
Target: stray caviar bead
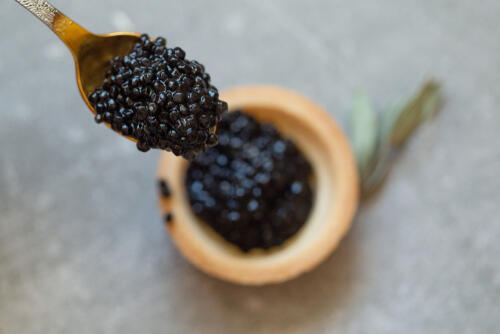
169, 218
163, 188
158, 97
253, 187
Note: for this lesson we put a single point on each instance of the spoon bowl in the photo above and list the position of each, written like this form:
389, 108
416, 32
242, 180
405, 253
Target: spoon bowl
92, 59
91, 52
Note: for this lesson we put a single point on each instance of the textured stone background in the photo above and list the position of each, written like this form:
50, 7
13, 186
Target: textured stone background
82, 247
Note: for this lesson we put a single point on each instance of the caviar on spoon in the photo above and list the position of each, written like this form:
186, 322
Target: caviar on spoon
101, 58
161, 99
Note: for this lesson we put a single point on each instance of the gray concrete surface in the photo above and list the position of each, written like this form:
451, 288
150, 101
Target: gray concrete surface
82, 247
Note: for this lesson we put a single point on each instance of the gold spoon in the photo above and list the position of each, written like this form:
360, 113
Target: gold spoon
91, 52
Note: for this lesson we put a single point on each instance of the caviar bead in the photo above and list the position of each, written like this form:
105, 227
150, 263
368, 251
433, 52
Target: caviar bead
142, 146
169, 218
99, 107
174, 114
212, 140
179, 53
194, 108
93, 98
253, 205
128, 114
135, 81
204, 101
117, 120
213, 93
136, 93
171, 84
107, 116
178, 97
111, 104
104, 95
152, 108
221, 107
148, 76
119, 79
125, 130
163, 188
184, 111
152, 122
160, 41
204, 121
141, 111
162, 98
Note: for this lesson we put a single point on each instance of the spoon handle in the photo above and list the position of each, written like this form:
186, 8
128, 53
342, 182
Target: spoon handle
72, 34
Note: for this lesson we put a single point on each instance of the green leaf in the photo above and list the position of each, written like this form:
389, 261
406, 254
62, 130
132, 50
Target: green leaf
388, 118
431, 106
382, 162
396, 126
364, 133
422, 106
371, 183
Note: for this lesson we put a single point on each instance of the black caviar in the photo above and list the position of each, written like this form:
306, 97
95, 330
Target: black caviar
253, 188
168, 218
157, 96
163, 188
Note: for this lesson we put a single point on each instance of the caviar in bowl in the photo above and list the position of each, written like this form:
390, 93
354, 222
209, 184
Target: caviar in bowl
333, 180
254, 188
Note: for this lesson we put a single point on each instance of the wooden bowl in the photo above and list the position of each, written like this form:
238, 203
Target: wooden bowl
335, 186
